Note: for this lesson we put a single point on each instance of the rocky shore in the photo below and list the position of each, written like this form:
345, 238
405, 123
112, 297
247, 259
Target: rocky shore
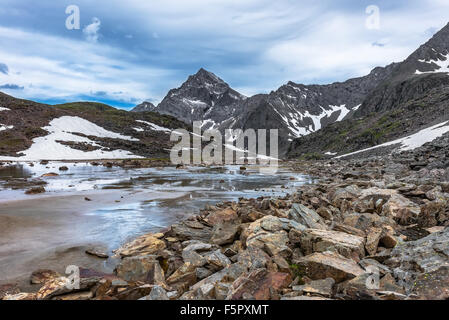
369, 229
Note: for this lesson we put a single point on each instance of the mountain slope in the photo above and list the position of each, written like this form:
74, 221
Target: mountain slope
81, 130
202, 97
143, 107
294, 109
414, 96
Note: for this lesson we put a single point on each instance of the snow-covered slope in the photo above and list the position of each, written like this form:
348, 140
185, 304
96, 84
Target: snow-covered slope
67, 129
411, 142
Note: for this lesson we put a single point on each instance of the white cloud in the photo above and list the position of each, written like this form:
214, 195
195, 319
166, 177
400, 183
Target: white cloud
91, 31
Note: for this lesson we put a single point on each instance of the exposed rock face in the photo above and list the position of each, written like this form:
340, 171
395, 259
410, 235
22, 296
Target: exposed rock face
203, 97
412, 96
144, 107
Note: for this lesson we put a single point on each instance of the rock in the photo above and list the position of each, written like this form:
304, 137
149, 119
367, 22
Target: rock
99, 252
20, 296
347, 245
141, 268
146, 244
225, 275
402, 210
433, 214
221, 216
322, 288
183, 277
433, 285
60, 286
372, 240
202, 273
50, 174
222, 290
259, 284
422, 256
133, 292
388, 241
306, 216
325, 213
186, 231
35, 190
42, 276
8, 290
63, 168
157, 294
196, 245
193, 258
348, 229
329, 265
224, 233
217, 260
272, 243
77, 296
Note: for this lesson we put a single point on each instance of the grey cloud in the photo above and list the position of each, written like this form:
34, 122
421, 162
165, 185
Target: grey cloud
4, 68
11, 87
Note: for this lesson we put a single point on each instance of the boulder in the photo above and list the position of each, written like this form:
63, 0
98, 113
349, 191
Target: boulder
43, 275
224, 233
372, 240
349, 246
221, 216
433, 214
329, 265
259, 284
306, 216
322, 288
141, 268
402, 210
157, 293
422, 256
187, 230
145, 245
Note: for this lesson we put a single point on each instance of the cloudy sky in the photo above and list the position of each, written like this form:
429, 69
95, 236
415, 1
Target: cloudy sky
128, 51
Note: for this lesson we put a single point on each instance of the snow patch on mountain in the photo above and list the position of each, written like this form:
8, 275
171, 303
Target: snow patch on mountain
4, 109
154, 126
64, 129
413, 141
4, 127
442, 65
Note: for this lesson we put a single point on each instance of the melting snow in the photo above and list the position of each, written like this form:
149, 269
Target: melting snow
4, 109
153, 126
61, 129
4, 127
413, 141
443, 66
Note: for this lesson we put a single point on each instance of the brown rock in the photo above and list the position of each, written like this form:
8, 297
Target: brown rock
330, 265
146, 244
221, 216
42, 276
347, 245
141, 268
372, 240
258, 284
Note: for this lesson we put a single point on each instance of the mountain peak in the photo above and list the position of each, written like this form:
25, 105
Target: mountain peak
205, 76
143, 107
